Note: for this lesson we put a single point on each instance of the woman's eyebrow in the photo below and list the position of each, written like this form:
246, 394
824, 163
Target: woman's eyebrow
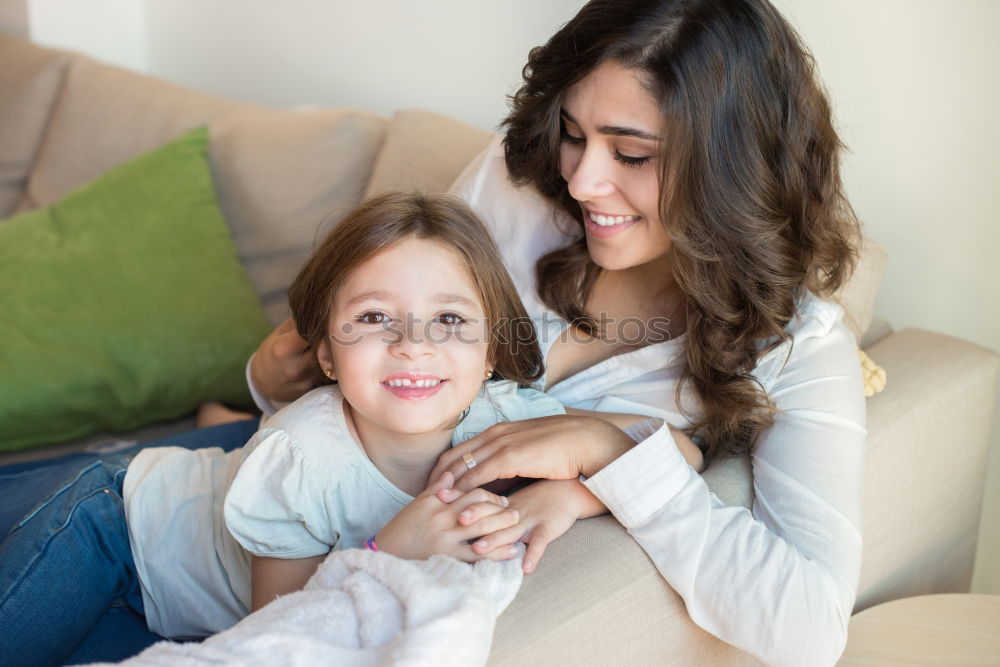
616, 130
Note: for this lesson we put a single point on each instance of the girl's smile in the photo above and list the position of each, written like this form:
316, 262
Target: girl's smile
413, 386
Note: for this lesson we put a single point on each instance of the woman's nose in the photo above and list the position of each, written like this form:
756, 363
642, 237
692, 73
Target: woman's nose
589, 176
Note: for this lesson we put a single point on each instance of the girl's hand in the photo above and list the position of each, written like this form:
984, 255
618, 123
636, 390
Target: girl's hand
548, 508
442, 520
284, 368
556, 447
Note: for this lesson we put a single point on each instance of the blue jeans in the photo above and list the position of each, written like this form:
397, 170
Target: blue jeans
69, 591
65, 565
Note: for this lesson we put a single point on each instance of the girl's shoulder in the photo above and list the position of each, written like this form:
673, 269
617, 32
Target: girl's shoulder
502, 401
313, 426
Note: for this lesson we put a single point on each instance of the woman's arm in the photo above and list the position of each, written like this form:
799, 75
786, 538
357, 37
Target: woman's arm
282, 369
688, 449
271, 577
778, 581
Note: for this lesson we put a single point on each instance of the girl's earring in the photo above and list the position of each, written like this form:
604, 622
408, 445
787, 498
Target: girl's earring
489, 374
329, 372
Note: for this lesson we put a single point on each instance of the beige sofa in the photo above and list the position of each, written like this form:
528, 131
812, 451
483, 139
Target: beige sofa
596, 598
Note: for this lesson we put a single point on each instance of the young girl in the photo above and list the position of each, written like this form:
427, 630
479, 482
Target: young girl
410, 313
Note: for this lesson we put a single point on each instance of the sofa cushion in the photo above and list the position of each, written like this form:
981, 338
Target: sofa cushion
105, 116
283, 178
857, 295
30, 80
123, 304
424, 151
280, 174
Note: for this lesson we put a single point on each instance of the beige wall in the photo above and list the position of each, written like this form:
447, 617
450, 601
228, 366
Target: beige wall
914, 83
916, 93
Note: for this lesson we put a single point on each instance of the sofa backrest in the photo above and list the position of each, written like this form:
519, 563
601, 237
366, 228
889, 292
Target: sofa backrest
282, 177
30, 80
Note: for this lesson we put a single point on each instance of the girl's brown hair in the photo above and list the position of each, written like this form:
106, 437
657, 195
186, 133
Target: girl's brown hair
393, 217
750, 184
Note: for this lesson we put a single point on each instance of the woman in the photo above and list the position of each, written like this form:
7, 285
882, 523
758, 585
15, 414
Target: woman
688, 155
691, 145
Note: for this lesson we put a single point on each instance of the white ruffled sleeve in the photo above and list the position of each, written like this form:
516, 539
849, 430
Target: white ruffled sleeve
275, 505
779, 583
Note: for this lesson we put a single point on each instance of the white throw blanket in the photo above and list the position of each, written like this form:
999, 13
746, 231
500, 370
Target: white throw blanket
366, 608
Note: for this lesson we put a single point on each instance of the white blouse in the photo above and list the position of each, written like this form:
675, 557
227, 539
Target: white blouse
779, 581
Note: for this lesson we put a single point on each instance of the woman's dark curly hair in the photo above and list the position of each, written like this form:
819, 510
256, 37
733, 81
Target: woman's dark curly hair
750, 185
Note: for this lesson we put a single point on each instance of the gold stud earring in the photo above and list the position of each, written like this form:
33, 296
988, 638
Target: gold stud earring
329, 373
489, 374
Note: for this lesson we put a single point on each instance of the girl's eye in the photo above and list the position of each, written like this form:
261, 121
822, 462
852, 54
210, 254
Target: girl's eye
372, 317
450, 319
629, 161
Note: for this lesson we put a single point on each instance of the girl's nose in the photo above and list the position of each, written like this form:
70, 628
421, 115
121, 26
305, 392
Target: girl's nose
410, 341
590, 175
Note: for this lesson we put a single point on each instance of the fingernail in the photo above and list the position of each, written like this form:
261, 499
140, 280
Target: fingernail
528, 566
465, 514
481, 544
511, 552
505, 500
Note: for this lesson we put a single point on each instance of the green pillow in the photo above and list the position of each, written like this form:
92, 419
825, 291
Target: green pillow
123, 304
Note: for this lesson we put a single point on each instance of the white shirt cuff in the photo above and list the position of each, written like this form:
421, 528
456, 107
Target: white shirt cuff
262, 403
641, 481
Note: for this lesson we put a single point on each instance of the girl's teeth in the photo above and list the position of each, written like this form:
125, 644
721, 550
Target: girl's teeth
406, 382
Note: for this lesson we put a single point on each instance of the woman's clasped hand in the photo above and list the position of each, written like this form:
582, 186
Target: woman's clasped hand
554, 447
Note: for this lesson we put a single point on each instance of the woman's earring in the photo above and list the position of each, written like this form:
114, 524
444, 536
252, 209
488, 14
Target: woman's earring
489, 374
329, 372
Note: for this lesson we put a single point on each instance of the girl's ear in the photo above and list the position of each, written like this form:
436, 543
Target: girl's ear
325, 358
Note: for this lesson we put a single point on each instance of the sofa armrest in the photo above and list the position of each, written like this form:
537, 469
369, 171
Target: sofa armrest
928, 438
597, 599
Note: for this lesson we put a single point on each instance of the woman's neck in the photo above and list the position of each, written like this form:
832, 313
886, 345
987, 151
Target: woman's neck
406, 459
647, 292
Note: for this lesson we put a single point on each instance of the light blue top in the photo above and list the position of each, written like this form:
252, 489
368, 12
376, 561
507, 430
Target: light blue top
300, 487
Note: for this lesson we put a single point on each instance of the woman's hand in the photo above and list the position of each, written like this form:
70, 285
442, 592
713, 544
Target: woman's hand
548, 508
556, 447
284, 368
442, 520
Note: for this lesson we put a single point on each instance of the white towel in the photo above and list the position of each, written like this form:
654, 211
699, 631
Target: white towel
366, 608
